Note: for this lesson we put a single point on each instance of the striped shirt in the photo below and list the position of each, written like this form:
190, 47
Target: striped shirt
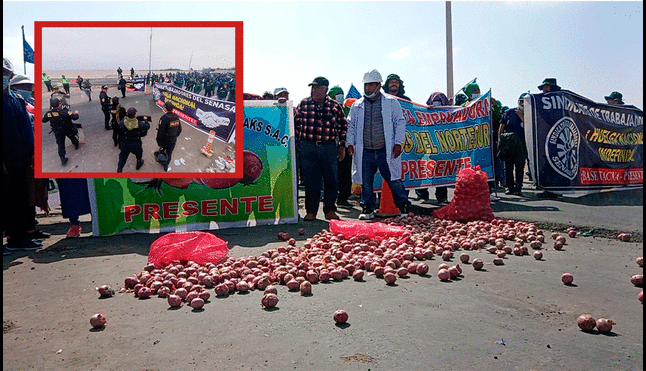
324, 121
373, 125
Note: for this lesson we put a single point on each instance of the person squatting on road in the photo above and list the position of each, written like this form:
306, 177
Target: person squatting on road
131, 130
60, 120
167, 132
105, 105
376, 134
319, 121
118, 113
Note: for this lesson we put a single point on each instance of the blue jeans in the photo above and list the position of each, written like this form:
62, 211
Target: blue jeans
319, 161
373, 160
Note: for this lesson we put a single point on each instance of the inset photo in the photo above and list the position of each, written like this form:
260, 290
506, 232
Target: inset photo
155, 100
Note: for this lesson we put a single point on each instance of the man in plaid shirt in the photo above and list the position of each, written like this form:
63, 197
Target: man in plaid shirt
318, 123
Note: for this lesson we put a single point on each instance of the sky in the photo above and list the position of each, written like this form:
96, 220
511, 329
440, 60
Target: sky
75, 48
591, 48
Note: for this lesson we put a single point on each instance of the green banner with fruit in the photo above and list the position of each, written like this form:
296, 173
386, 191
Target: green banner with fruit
266, 194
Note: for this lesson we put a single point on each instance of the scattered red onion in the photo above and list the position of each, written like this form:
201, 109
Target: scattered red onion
340, 316
637, 280
604, 325
478, 264
567, 278
269, 300
98, 320
586, 322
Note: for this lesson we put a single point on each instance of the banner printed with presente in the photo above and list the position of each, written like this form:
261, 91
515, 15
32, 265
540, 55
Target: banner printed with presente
136, 84
201, 112
577, 144
440, 141
265, 195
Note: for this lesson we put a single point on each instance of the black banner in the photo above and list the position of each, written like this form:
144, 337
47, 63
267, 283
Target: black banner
136, 84
577, 144
206, 114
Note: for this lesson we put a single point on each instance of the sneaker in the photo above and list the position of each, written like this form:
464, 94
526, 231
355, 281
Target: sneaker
23, 244
367, 214
74, 231
64, 161
37, 234
309, 217
330, 215
509, 192
493, 198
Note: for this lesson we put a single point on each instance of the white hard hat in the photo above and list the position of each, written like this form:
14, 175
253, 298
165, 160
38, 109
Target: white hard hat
280, 90
20, 79
372, 76
7, 65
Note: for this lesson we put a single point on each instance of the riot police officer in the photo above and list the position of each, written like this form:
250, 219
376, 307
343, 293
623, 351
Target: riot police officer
131, 130
105, 105
61, 122
167, 133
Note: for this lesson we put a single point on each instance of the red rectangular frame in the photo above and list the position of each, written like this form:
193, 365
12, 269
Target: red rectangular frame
38, 120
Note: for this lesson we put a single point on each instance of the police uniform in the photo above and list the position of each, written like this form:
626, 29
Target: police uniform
131, 130
105, 106
61, 122
118, 113
167, 133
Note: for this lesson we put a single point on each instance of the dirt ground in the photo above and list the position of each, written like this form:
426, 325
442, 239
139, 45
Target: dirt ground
518, 316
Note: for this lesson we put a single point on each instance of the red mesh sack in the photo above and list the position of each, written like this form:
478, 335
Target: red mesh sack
471, 200
200, 247
373, 231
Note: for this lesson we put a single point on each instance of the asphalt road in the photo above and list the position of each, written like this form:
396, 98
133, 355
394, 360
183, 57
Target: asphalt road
99, 155
518, 316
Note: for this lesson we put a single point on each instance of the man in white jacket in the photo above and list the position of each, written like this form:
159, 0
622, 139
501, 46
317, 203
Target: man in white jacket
376, 134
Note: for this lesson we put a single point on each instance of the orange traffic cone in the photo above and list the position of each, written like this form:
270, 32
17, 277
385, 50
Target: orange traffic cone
206, 150
387, 206
147, 89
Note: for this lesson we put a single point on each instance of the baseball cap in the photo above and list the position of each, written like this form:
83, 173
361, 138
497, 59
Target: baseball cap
104, 87
280, 90
319, 81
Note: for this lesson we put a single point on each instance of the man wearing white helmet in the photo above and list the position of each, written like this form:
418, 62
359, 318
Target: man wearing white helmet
17, 162
376, 134
23, 86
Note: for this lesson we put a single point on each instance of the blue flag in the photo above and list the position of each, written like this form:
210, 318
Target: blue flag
28, 52
353, 92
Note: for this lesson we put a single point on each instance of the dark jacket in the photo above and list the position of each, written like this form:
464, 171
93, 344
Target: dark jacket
132, 130
168, 130
106, 102
61, 121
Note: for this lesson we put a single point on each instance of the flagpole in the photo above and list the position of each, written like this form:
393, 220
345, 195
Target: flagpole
150, 53
24, 62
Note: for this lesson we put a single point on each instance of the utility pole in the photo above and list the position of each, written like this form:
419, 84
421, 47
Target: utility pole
449, 54
150, 53
190, 62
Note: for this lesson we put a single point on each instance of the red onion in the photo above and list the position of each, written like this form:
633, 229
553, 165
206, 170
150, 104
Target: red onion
625, 237
357, 275
443, 266
478, 264
538, 255
464, 258
640, 296
271, 289
340, 316
222, 289
453, 272
130, 282
567, 278
144, 293
604, 325
422, 269
586, 322
197, 303
498, 261
306, 288
269, 300
443, 274
293, 285
561, 239
242, 287
501, 254
181, 292
163, 291
402, 272
637, 280
174, 301
205, 295
105, 291
558, 245
301, 231
98, 320
390, 278
640, 261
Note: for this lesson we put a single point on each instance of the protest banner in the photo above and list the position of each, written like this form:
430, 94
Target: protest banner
577, 144
201, 112
136, 84
266, 194
440, 141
